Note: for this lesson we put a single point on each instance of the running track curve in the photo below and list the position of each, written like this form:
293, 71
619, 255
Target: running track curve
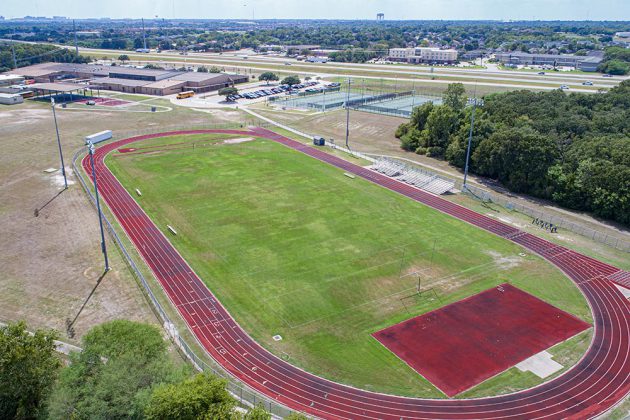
598, 381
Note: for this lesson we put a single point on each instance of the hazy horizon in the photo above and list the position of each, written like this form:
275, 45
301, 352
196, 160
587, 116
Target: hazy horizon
567, 10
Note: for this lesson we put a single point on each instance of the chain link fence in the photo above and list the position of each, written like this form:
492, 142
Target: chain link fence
244, 395
598, 236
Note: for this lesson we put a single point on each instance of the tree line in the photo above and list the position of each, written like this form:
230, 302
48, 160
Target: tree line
125, 371
28, 54
572, 149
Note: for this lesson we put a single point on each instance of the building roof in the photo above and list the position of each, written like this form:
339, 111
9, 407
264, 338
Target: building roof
208, 78
36, 70
9, 95
132, 71
165, 83
57, 87
122, 82
191, 76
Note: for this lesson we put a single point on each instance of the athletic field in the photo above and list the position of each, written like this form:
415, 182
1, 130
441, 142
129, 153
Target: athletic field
294, 248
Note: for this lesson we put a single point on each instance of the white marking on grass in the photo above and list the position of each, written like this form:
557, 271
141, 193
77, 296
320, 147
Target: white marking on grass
138, 192
173, 231
277, 337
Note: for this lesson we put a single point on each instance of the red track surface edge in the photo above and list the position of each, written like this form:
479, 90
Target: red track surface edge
595, 384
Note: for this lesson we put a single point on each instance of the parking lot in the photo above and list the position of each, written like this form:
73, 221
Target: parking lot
274, 91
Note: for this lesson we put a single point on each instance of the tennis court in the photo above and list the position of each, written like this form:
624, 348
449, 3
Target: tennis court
400, 105
318, 101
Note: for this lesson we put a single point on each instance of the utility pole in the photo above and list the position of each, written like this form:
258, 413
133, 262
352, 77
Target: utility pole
348, 113
98, 205
63, 166
13, 53
144, 38
76, 43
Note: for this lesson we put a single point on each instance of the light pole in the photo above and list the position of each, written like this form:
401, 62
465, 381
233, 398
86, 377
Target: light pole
475, 101
348, 113
98, 205
63, 167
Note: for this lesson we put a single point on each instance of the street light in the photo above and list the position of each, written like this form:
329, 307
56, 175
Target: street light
475, 102
63, 167
90, 146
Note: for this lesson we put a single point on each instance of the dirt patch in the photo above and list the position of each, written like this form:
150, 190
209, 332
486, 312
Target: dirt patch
238, 140
504, 262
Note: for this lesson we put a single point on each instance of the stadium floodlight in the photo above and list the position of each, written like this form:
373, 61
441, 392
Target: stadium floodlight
348, 112
63, 166
90, 146
475, 102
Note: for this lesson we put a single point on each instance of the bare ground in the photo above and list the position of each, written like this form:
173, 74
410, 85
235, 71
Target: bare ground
50, 263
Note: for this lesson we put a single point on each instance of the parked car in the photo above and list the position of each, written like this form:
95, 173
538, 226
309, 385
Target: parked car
90, 103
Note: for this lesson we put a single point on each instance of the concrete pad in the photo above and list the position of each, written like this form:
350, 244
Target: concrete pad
541, 365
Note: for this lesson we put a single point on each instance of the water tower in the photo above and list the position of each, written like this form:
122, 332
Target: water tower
380, 16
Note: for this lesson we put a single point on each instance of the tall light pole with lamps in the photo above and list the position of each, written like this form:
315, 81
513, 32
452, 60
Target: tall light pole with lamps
90, 146
63, 167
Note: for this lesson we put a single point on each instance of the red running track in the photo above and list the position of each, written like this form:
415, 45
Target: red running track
597, 382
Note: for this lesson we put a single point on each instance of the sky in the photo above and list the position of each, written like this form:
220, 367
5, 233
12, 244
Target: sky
325, 9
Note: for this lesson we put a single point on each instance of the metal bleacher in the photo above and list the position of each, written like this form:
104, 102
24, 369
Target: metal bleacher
414, 176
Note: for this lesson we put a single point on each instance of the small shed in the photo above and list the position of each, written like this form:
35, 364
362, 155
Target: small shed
319, 141
11, 98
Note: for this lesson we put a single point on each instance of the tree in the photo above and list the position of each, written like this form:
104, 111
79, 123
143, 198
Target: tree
199, 397
123, 57
519, 157
215, 69
28, 368
228, 91
268, 76
202, 69
441, 123
455, 96
615, 67
257, 413
291, 81
121, 363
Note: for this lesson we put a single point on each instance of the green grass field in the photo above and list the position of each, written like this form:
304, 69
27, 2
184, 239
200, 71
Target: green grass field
293, 247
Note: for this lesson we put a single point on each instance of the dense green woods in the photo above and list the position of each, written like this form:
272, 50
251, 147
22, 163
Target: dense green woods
125, 371
573, 149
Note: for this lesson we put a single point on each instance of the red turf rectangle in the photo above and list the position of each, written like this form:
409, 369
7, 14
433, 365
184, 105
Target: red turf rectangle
463, 344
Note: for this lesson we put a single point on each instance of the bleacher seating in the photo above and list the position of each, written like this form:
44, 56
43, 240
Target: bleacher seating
412, 176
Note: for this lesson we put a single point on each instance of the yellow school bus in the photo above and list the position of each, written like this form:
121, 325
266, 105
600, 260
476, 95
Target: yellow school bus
185, 95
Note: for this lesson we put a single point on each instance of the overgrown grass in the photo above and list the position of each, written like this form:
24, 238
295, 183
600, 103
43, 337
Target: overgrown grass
293, 247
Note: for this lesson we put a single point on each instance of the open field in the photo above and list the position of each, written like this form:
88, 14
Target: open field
50, 263
292, 247
374, 134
